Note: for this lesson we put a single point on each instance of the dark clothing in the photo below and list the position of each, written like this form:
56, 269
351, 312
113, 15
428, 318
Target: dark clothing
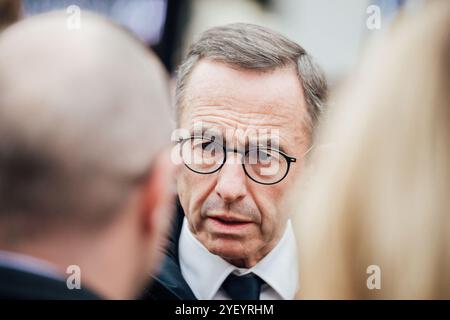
20, 285
246, 287
169, 284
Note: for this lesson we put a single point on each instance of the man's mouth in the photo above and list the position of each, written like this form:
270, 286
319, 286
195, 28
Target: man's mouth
231, 222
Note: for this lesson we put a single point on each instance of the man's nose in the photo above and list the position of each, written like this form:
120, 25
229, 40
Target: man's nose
231, 181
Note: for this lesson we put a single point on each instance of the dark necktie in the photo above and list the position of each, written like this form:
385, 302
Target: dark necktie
246, 287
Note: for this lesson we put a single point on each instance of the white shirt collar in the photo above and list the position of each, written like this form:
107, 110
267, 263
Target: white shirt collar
29, 264
205, 272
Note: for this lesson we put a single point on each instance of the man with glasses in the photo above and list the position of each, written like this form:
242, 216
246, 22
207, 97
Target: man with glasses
247, 102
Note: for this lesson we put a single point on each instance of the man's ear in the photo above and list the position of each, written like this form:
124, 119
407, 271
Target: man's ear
158, 195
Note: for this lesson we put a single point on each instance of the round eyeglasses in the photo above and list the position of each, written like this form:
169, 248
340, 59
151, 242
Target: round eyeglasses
263, 165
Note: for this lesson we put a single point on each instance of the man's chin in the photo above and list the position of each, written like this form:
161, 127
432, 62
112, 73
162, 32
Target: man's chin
229, 249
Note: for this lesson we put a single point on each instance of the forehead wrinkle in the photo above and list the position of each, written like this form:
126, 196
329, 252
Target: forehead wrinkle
227, 118
240, 118
220, 124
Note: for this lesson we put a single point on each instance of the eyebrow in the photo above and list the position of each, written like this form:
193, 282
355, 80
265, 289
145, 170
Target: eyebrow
207, 132
210, 132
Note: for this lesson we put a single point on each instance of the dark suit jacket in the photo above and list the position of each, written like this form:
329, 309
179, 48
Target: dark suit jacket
20, 285
169, 284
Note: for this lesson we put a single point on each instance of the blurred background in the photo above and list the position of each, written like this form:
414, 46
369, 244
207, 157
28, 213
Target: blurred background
334, 32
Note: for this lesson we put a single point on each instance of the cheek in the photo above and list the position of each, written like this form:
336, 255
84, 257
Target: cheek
270, 202
193, 189
294, 174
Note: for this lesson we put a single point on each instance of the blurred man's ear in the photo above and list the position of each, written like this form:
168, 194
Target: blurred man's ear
159, 196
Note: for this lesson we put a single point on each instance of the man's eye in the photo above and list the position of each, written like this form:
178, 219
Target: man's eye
202, 145
263, 155
207, 145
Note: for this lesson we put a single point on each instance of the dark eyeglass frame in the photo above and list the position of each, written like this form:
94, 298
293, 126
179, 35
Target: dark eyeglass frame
226, 150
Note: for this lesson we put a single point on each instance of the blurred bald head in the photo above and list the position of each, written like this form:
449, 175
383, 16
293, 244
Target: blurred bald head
82, 114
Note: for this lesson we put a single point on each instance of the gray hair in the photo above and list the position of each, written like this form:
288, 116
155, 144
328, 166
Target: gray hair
253, 47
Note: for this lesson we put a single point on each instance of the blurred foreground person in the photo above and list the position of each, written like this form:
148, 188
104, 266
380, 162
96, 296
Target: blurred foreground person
84, 186
374, 220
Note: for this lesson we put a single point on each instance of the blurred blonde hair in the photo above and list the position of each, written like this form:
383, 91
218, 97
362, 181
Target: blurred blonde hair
377, 189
